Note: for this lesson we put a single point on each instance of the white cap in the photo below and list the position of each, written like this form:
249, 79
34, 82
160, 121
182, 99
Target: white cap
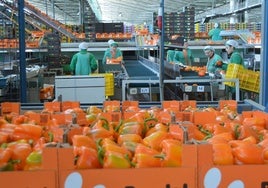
83, 46
111, 41
233, 43
216, 25
209, 48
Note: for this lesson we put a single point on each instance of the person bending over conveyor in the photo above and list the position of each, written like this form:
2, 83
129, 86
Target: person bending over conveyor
113, 54
214, 63
185, 56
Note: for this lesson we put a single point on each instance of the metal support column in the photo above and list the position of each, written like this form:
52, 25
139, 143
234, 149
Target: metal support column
264, 58
53, 9
22, 58
233, 6
161, 70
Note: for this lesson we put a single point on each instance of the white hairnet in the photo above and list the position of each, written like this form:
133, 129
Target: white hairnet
83, 46
209, 48
233, 43
111, 41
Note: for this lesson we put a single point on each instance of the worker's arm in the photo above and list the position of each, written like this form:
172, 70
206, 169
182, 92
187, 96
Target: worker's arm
73, 62
119, 55
93, 63
211, 32
104, 59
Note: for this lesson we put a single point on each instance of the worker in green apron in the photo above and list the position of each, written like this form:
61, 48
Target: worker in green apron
214, 63
231, 49
214, 33
170, 56
235, 57
114, 53
185, 56
83, 62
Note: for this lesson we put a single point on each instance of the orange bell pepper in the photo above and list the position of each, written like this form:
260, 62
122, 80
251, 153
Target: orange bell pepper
5, 156
131, 128
171, 153
222, 154
113, 159
4, 137
86, 158
34, 160
27, 131
99, 133
21, 150
246, 131
129, 137
154, 139
83, 140
130, 146
109, 145
145, 157
157, 127
247, 153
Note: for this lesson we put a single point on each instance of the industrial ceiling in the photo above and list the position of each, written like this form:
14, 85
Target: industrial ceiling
141, 11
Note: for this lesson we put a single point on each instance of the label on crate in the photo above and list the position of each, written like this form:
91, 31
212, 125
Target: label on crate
200, 88
145, 90
133, 91
188, 88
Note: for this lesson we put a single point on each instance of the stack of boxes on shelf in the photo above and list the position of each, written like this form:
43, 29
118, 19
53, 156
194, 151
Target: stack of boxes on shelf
53, 50
89, 25
179, 23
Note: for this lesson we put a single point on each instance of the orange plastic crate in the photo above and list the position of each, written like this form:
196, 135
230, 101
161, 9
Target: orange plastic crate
187, 103
45, 177
173, 177
172, 105
10, 107
231, 104
227, 174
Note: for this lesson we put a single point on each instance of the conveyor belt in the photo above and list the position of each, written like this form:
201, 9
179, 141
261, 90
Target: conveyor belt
136, 70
